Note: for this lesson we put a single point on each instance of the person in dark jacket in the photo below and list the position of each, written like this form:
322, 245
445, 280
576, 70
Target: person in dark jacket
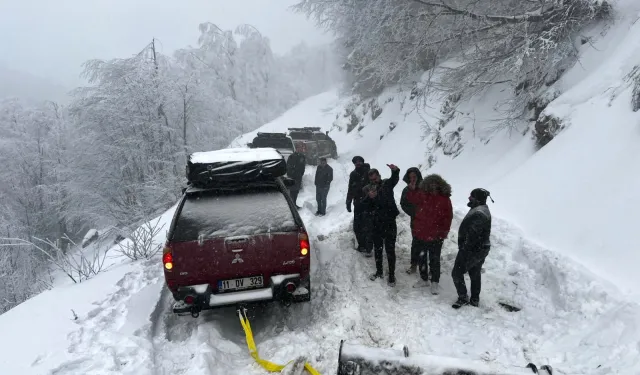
324, 176
473, 247
431, 225
358, 178
413, 178
381, 212
295, 170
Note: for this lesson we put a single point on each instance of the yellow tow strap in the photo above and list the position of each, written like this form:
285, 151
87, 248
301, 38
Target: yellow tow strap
253, 350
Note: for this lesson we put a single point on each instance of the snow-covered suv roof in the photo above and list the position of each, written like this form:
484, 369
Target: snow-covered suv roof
235, 154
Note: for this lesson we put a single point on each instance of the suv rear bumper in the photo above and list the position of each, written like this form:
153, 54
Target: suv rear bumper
276, 291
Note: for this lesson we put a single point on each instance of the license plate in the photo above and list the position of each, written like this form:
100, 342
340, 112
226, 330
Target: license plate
240, 284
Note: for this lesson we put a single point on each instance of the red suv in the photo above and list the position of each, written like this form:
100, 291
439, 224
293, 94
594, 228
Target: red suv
236, 243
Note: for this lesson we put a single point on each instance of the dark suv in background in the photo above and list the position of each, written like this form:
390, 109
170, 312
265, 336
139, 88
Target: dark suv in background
279, 141
313, 143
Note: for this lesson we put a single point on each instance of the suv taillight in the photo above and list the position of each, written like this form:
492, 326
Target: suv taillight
304, 243
167, 258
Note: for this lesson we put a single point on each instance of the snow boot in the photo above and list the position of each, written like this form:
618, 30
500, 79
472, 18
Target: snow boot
412, 269
474, 302
392, 281
435, 288
462, 301
375, 276
421, 284
368, 254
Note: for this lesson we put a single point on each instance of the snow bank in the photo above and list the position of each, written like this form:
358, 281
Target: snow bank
235, 154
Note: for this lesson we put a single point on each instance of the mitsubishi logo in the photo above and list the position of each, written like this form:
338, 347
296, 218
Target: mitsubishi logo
237, 259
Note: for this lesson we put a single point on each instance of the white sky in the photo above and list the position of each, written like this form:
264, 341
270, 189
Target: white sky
51, 38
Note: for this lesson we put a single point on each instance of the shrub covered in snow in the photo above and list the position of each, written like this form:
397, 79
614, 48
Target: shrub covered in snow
141, 244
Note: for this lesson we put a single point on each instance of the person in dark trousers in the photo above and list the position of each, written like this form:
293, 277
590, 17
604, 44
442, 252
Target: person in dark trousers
324, 176
358, 178
295, 170
412, 177
473, 247
381, 211
431, 225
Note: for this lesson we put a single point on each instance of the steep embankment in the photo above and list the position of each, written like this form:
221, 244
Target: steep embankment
577, 195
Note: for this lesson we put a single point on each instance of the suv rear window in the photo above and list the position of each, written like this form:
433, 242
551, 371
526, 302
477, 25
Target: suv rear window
272, 142
233, 213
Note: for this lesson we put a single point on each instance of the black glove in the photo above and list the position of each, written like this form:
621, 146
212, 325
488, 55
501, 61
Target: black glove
349, 206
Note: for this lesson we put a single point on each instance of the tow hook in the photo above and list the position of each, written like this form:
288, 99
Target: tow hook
286, 302
241, 309
195, 312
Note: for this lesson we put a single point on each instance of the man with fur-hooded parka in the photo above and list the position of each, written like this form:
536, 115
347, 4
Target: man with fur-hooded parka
431, 225
413, 177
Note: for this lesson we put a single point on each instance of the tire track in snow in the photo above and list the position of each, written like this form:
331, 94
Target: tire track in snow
211, 344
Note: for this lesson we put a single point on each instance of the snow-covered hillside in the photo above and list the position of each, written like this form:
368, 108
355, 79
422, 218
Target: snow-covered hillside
563, 249
575, 196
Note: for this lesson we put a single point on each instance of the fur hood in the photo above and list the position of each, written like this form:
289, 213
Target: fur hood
414, 170
443, 187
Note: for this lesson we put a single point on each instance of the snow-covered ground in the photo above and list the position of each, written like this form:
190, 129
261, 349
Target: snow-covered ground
125, 326
563, 250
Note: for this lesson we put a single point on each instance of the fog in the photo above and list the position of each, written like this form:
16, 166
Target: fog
51, 39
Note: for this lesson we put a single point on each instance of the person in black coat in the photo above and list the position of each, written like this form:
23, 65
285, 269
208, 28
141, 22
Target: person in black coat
324, 176
381, 211
473, 247
411, 177
296, 164
358, 178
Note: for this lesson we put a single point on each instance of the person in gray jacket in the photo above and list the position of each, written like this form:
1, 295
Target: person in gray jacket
473, 247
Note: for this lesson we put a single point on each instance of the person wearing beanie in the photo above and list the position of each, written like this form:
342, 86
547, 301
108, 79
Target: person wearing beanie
431, 225
473, 247
381, 211
412, 177
357, 180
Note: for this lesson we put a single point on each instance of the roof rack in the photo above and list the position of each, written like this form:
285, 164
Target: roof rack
262, 181
307, 128
272, 135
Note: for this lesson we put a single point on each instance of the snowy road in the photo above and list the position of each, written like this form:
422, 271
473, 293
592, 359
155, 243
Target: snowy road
567, 319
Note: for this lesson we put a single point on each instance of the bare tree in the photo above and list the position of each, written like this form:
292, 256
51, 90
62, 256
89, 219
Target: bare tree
475, 44
77, 266
142, 243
